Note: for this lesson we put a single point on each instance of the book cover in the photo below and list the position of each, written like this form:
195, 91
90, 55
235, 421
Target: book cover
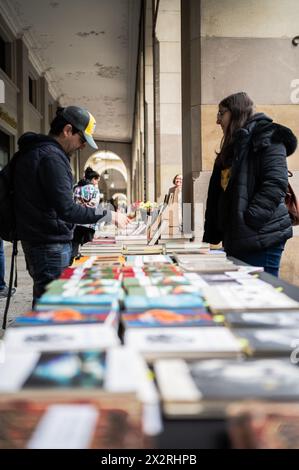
163, 317
64, 316
268, 342
195, 342
138, 302
262, 320
60, 337
158, 291
205, 388
247, 297
73, 299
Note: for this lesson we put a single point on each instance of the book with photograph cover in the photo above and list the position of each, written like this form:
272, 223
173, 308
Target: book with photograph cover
79, 376
262, 320
183, 342
164, 317
268, 342
115, 370
205, 388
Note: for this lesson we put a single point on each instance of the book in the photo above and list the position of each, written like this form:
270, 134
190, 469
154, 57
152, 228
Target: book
158, 291
71, 423
66, 316
87, 371
268, 342
205, 388
184, 342
139, 302
163, 317
262, 320
260, 425
246, 297
147, 259
80, 376
59, 337
73, 299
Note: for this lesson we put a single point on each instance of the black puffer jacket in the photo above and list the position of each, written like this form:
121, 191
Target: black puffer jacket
45, 210
255, 216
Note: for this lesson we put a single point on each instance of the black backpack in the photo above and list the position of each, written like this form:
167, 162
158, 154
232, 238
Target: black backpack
8, 222
7, 212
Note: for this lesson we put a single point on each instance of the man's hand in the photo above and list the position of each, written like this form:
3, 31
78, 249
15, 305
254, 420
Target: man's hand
119, 219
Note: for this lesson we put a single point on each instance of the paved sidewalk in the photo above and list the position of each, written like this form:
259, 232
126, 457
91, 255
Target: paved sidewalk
21, 301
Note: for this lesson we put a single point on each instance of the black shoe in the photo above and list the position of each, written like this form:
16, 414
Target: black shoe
4, 292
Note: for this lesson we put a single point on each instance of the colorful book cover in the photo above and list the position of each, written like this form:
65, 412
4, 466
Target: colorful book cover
48, 299
158, 291
163, 317
68, 369
136, 302
63, 316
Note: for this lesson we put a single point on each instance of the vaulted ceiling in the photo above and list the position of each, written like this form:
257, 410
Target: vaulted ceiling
87, 50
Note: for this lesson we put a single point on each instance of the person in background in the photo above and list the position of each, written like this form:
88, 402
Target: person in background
3, 286
176, 190
43, 195
86, 193
246, 197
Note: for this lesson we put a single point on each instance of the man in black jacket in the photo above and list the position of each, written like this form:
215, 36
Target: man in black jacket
45, 210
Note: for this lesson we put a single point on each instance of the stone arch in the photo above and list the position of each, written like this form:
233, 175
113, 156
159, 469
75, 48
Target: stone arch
103, 160
119, 151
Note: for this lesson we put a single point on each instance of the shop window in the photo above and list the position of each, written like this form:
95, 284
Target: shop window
33, 92
2, 54
4, 149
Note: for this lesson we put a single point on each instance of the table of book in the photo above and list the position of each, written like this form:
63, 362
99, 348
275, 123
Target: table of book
128, 332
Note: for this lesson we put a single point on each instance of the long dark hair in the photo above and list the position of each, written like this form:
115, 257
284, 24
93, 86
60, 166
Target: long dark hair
241, 108
90, 174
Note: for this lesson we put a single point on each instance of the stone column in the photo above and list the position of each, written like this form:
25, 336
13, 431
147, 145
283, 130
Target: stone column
194, 182
44, 105
168, 115
149, 103
22, 83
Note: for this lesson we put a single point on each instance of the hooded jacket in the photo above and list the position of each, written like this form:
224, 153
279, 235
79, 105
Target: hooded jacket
255, 216
43, 197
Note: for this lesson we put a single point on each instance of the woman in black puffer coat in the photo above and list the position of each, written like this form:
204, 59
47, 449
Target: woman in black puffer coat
246, 198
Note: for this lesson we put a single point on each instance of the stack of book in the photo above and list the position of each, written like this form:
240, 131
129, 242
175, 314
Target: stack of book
205, 263
206, 388
70, 399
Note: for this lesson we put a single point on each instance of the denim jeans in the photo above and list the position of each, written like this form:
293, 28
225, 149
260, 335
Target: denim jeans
45, 263
269, 258
2, 266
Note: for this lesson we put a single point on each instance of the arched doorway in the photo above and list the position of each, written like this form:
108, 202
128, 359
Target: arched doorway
113, 173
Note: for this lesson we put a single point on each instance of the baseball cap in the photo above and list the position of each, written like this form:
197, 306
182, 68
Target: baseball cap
82, 120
